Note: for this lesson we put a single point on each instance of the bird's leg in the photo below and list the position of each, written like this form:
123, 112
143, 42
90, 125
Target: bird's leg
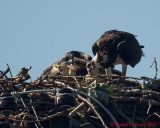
124, 69
108, 71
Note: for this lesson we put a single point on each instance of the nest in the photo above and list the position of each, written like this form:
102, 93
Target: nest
87, 102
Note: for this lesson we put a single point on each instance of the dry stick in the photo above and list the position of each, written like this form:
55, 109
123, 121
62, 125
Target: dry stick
149, 105
156, 114
41, 118
21, 114
34, 111
94, 77
25, 108
123, 115
99, 76
9, 70
4, 87
133, 99
51, 116
72, 113
4, 72
28, 121
76, 82
137, 118
57, 82
96, 101
60, 83
152, 115
27, 112
154, 61
11, 75
86, 101
93, 108
134, 113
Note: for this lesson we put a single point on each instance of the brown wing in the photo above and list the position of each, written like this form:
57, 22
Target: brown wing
94, 48
130, 51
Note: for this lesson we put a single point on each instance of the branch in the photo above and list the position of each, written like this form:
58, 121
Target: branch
93, 108
154, 61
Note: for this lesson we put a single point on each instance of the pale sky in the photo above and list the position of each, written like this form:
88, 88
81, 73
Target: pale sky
37, 33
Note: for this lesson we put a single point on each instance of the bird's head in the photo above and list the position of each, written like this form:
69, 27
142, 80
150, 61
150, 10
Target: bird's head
93, 68
100, 59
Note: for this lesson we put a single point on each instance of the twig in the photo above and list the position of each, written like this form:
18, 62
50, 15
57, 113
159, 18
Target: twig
27, 112
98, 76
93, 108
60, 83
133, 99
149, 105
53, 115
134, 113
157, 114
78, 85
72, 113
123, 115
154, 61
34, 111
4, 72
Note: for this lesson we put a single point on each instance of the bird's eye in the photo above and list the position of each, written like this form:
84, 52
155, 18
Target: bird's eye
101, 53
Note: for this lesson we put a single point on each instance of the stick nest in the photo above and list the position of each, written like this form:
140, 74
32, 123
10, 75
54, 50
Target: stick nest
133, 102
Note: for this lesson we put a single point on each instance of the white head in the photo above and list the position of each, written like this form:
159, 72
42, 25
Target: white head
100, 59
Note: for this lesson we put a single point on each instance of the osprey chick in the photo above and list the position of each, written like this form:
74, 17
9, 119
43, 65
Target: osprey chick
116, 47
72, 63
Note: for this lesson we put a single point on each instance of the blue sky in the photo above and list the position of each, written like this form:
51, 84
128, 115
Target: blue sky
39, 32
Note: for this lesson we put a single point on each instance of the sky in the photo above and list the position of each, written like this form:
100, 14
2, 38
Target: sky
37, 33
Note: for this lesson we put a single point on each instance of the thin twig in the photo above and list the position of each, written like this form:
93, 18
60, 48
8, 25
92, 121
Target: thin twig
34, 111
78, 85
72, 113
27, 112
93, 108
154, 61
123, 115
4, 72
134, 113
157, 114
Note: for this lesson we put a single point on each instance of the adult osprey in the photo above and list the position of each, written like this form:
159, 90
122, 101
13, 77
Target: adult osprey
116, 47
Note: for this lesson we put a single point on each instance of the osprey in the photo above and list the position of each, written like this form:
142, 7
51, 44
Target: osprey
72, 63
116, 47
99, 71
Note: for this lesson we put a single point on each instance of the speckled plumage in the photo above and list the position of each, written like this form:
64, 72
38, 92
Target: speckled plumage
63, 66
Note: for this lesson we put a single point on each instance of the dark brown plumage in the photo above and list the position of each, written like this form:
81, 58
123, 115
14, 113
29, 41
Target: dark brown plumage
117, 47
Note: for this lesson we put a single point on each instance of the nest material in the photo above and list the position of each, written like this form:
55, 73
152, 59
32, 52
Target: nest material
133, 102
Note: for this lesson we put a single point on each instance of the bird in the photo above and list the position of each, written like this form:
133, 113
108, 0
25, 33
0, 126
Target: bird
99, 71
116, 47
73, 63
